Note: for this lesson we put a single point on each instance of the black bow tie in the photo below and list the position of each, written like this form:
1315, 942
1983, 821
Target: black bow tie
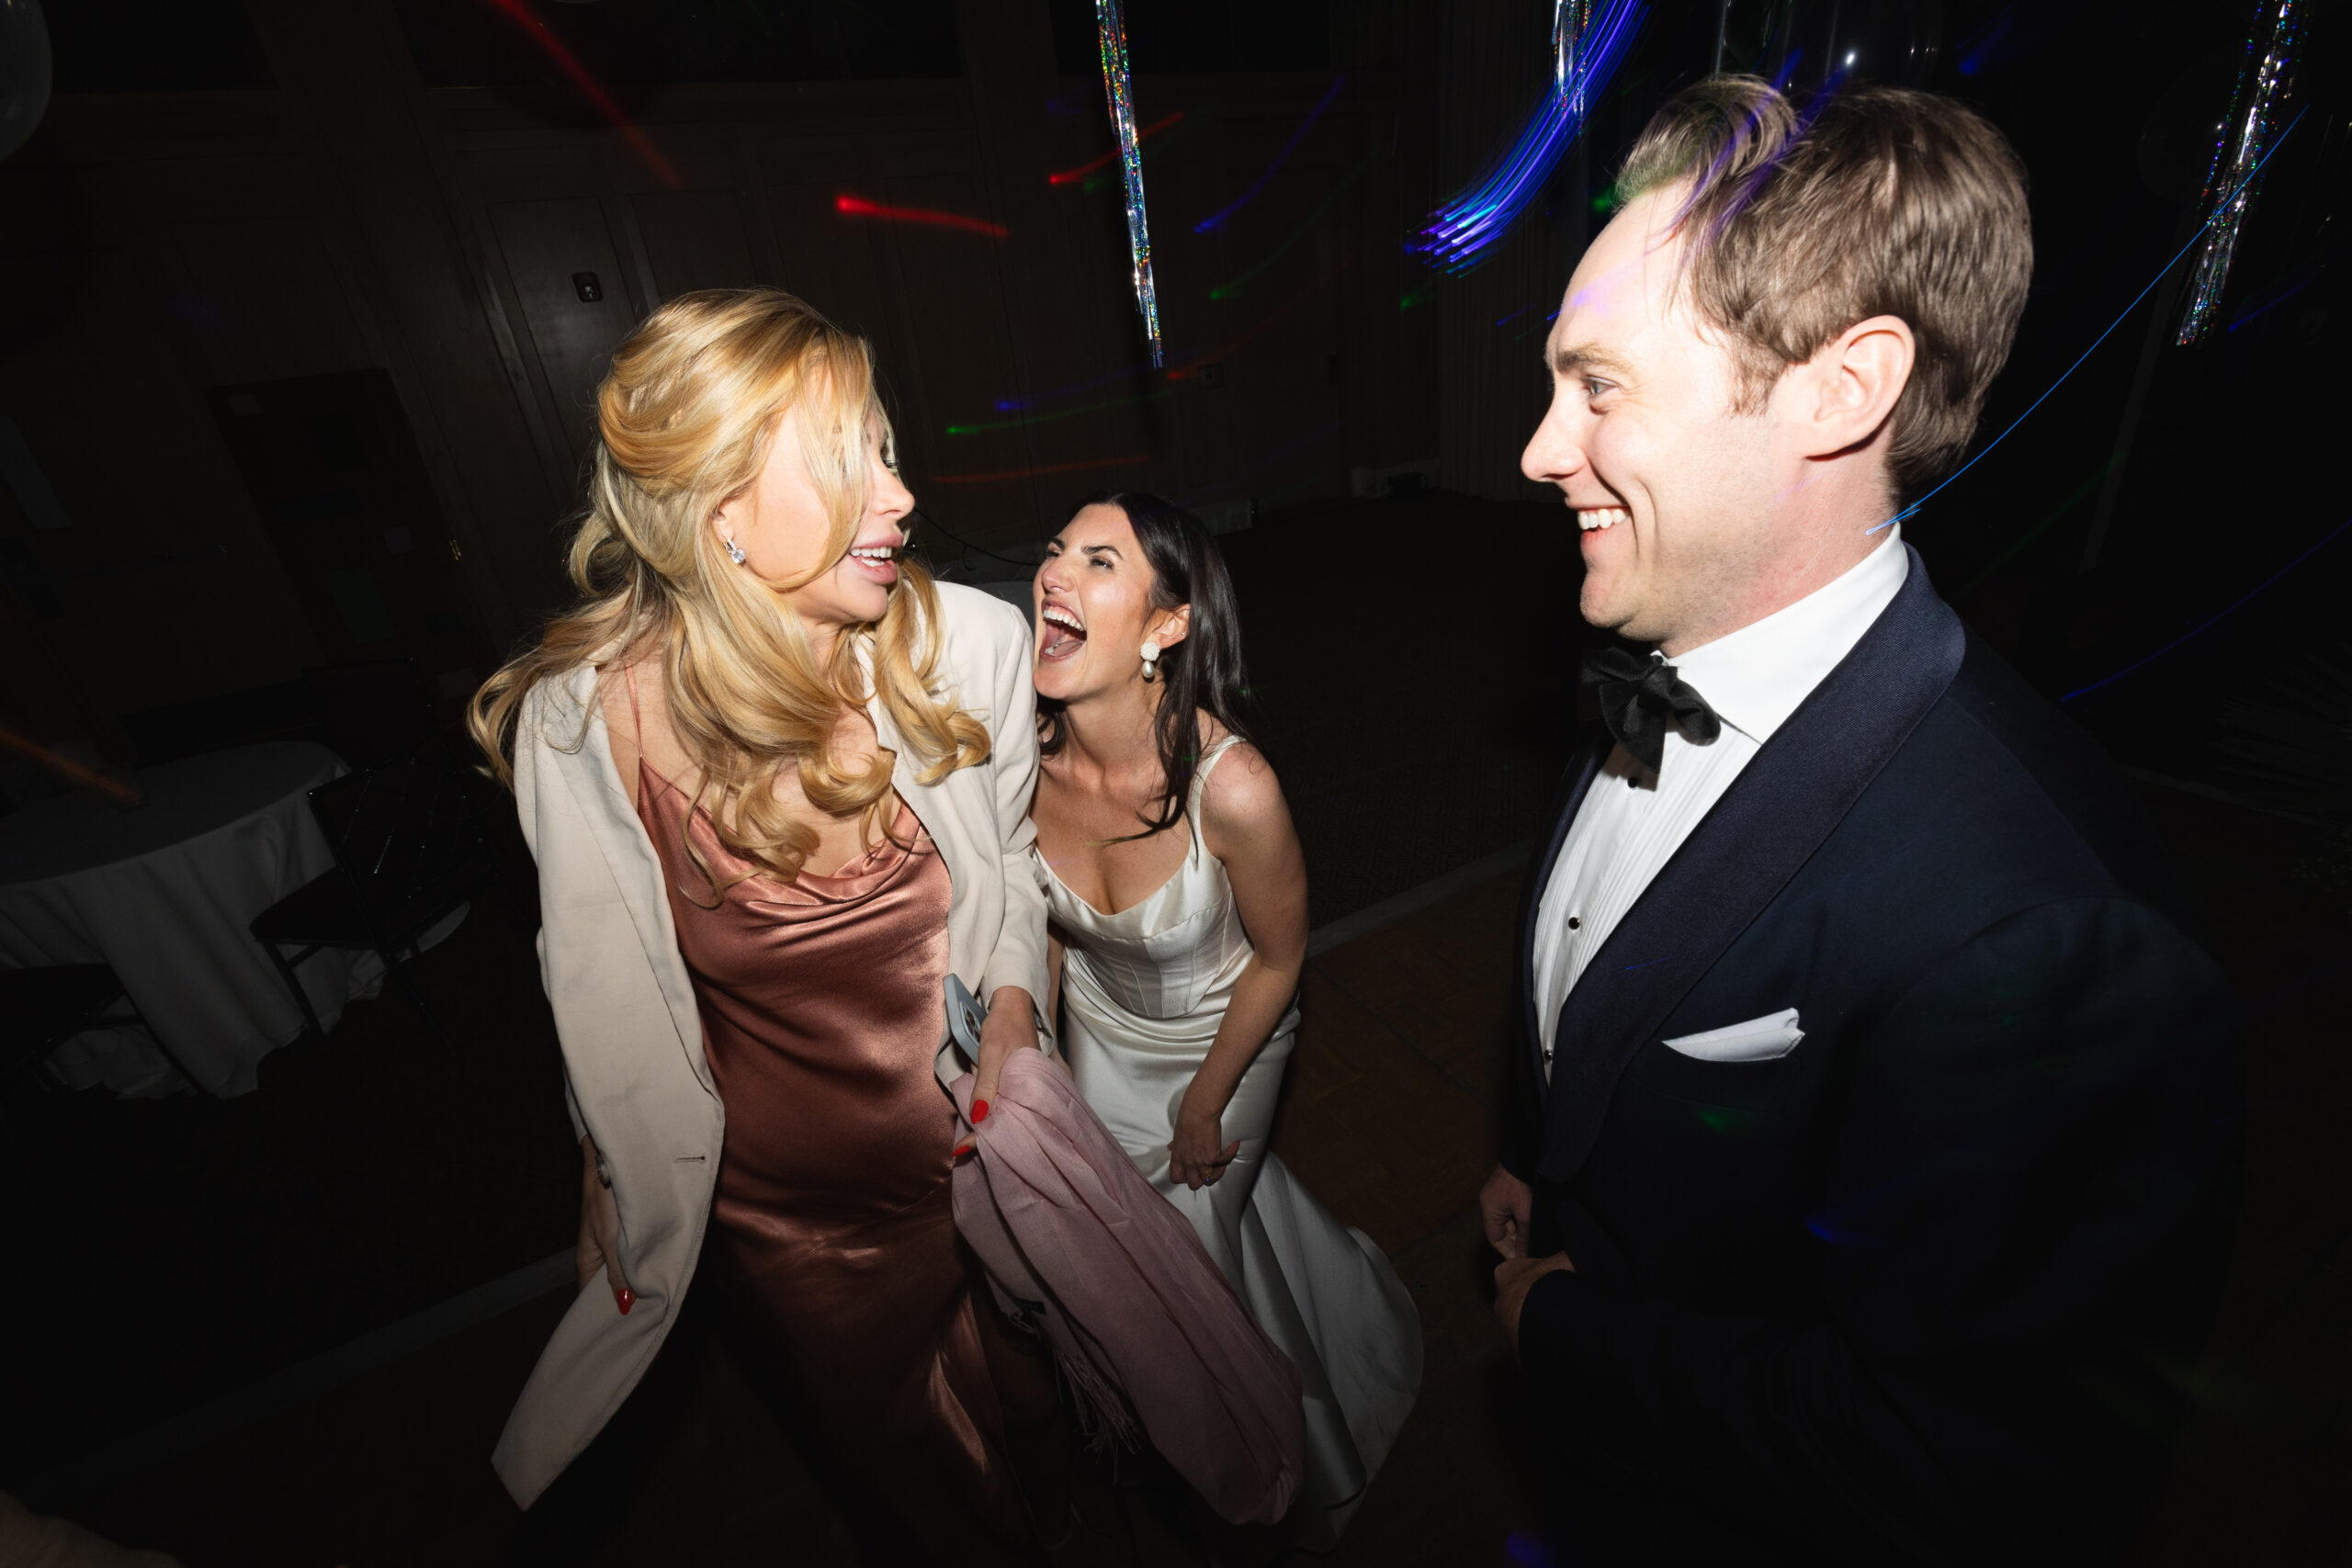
1642, 698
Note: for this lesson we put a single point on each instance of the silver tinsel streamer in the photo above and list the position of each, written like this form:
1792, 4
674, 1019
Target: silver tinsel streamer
1120, 89
1570, 20
2246, 136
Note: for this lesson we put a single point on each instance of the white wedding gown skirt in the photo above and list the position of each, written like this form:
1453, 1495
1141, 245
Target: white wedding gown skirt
1143, 992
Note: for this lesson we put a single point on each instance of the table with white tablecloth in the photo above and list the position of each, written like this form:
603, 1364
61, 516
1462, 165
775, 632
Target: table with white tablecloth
165, 893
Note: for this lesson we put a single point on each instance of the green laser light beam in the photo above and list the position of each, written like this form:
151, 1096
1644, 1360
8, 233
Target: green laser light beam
2031, 534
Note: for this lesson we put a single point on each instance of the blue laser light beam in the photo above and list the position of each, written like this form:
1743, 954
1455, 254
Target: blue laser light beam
2269, 305
1529, 1552
2163, 272
1461, 231
1205, 224
1228, 290
1980, 47
2328, 538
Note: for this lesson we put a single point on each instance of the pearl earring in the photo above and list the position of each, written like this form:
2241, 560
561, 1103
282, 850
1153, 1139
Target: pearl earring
1150, 652
734, 550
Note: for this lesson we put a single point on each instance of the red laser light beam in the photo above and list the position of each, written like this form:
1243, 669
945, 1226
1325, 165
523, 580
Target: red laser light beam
858, 206
1112, 155
67, 768
1279, 311
519, 13
1131, 458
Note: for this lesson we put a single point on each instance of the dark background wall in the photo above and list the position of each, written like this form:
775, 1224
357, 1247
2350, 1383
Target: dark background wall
297, 318
410, 197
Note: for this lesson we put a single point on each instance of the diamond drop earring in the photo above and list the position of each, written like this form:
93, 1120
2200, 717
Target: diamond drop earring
734, 550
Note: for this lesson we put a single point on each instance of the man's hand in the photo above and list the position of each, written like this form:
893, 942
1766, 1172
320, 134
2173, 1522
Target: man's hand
1514, 1277
1504, 1204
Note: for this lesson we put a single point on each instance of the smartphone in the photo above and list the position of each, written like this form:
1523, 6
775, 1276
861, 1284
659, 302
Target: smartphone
965, 1016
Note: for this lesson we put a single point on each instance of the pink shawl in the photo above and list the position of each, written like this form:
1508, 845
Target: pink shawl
1139, 1317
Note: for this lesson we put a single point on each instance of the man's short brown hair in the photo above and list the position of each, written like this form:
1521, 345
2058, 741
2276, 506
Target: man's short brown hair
1870, 201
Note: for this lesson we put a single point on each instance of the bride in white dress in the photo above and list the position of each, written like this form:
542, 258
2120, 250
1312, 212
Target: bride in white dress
1178, 899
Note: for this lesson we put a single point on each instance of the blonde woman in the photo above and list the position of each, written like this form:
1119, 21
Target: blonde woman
776, 781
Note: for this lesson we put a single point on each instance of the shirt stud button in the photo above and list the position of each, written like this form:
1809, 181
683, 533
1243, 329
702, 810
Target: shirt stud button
1574, 923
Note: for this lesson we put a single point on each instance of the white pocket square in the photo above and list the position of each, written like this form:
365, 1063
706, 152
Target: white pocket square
1758, 1039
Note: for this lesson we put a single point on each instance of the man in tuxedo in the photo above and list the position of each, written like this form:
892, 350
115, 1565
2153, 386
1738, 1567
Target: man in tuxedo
1867, 1196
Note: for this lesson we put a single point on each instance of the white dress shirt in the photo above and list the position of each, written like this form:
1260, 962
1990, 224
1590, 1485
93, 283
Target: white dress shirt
1633, 821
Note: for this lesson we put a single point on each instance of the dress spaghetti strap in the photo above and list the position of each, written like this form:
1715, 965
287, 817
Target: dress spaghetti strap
645, 767
1207, 765
1201, 772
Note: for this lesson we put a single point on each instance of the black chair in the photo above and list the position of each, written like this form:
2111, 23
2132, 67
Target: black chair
408, 849
42, 1009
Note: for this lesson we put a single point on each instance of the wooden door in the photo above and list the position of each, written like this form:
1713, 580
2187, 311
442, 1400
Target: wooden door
575, 301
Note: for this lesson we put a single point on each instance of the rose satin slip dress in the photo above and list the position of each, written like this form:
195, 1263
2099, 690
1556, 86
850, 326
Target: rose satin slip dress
834, 1224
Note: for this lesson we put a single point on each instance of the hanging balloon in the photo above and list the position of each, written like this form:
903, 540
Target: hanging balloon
24, 72
1809, 44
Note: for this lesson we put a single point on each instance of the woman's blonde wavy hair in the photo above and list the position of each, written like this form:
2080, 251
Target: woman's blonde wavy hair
685, 418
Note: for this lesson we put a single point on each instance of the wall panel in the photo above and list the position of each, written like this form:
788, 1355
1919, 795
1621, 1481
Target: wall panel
694, 239
546, 244
353, 219
263, 299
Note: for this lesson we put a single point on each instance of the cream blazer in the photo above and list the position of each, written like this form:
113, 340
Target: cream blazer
635, 1075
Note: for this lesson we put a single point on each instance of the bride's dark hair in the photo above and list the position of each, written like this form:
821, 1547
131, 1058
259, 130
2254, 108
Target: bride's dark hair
1203, 672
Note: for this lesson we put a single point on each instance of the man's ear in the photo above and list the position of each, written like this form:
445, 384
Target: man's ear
1854, 384
1174, 625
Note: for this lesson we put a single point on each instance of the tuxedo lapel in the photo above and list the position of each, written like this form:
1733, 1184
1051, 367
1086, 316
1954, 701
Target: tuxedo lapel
1766, 827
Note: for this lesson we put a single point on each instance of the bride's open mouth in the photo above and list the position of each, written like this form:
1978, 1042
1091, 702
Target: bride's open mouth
1060, 633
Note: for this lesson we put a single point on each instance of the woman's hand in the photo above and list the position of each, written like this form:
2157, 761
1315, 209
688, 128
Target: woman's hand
1012, 1026
600, 1231
1195, 1157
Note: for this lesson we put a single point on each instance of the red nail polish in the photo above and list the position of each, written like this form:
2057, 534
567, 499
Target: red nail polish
627, 1298
961, 1150
980, 1111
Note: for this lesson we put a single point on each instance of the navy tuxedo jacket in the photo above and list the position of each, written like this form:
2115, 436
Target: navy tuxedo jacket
1927, 1286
